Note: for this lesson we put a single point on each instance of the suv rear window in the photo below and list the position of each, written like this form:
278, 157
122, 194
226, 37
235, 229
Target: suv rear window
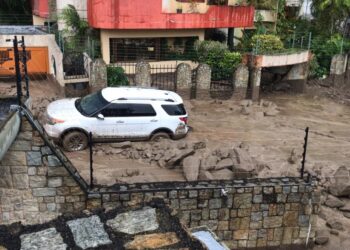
174, 109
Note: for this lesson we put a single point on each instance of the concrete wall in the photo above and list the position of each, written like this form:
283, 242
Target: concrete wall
105, 35
170, 6
279, 60
37, 20
267, 15
8, 133
45, 40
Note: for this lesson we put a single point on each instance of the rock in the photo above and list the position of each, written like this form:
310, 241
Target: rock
246, 166
89, 232
259, 115
209, 163
334, 224
246, 110
334, 232
199, 145
153, 241
135, 222
345, 208
346, 214
333, 202
182, 145
223, 174
246, 103
225, 163
169, 154
205, 176
191, 167
179, 157
271, 112
341, 186
45, 239
293, 157
125, 144
224, 152
322, 237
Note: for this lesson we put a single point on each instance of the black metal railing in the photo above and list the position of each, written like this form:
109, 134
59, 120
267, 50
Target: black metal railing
164, 77
75, 65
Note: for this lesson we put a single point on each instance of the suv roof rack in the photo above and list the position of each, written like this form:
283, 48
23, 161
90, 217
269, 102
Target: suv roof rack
149, 99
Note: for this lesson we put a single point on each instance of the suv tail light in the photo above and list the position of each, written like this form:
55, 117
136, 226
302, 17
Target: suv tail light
183, 119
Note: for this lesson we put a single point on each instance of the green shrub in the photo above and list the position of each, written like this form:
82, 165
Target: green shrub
264, 44
218, 57
315, 70
324, 49
116, 77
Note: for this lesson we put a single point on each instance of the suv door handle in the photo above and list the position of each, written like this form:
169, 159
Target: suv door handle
154, 120
120, 121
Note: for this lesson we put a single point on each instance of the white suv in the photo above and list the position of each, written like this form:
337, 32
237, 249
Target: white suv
116, 114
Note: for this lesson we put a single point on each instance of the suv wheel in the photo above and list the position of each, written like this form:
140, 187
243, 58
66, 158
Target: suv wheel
160, 135
74, 141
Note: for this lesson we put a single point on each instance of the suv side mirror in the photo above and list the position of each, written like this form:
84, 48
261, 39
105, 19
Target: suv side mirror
100, 117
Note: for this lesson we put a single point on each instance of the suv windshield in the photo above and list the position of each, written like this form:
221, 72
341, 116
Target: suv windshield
90, 104
174, 109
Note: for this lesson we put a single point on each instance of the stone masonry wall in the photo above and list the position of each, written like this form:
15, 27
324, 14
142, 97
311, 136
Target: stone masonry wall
274, 213
34, 187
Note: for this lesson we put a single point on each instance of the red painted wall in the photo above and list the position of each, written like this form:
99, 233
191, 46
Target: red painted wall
141, 14
40, 8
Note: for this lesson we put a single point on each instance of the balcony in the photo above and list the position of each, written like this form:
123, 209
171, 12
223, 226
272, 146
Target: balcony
167, 14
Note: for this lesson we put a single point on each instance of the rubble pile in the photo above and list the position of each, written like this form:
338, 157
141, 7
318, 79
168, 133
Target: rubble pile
259, 110
195, 159
336, 204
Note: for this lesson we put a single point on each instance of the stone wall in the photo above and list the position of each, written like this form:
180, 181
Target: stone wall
34, 187
98, 75
244, 214
272, 212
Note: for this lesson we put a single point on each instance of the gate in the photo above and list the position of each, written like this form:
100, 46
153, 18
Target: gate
221, 89
164, 77
75, 65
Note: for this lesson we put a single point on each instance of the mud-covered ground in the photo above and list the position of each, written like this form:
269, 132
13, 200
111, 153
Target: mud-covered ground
270, 140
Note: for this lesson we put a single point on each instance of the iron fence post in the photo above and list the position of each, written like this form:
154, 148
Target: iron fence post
293, 42
18, 71
91, 162
301, 42
341, 45
304, 153
24, 61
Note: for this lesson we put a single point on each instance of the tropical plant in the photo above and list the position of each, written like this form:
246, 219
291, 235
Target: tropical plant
218, 57
262, 44
116, 77
74, 25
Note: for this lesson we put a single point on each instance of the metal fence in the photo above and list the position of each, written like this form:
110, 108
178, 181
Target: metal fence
75, 65
129, 70
164, 77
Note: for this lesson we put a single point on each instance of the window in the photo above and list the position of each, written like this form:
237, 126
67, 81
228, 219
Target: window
134, 49
174, 109
128, 110
90, 104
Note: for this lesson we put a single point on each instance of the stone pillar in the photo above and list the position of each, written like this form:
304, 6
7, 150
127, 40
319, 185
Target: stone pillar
347, 74
98, 75
240, 81
338, 69
143, 74
183, 80
203, 80
297, 77
254, 82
